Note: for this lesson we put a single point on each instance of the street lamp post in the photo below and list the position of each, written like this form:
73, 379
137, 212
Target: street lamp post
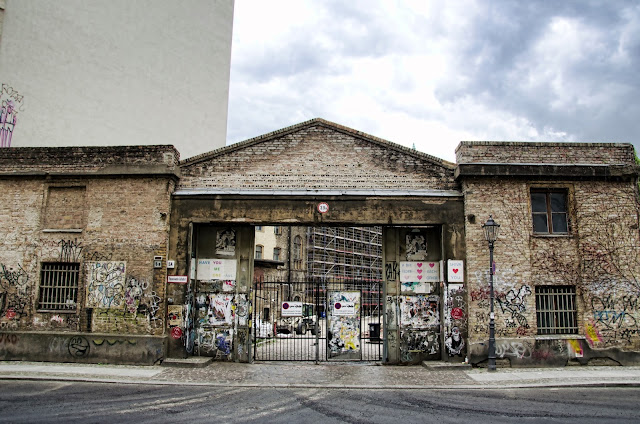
491, 235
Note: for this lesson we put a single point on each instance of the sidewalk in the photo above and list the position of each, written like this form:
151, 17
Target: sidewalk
335, 375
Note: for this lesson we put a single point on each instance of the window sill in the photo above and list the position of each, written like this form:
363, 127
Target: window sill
56, 311
62, 230
559, 337
545, 235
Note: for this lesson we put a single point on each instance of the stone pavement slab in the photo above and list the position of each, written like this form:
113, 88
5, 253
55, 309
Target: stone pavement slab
566, 376
47, 368
333, 375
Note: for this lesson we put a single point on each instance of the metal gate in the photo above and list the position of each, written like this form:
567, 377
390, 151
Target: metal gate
318, 320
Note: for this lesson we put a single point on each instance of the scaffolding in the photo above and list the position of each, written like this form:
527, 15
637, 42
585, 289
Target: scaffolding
345, 253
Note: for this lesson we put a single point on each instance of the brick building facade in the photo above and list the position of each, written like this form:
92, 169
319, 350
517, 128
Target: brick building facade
105, 222
567, 257
80, 229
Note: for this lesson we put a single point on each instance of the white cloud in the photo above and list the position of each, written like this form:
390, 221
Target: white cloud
435, 73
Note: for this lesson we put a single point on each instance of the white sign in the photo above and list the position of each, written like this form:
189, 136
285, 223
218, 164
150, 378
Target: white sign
323, 207
344, 309
217, 269
455, 271
178, 279
419, 272
223, 269
291, 309
192, 269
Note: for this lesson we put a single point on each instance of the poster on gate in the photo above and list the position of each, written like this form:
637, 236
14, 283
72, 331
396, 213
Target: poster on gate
343, 325
455, 271
424, 272
216, 269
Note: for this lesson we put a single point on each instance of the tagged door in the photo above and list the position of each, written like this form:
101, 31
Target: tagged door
344, 325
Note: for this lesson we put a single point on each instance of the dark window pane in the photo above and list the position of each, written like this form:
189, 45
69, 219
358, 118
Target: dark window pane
540, 223
538, 202
559, 221
558, 202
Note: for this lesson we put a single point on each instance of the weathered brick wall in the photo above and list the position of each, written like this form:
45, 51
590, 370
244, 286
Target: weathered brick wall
508, 204
555, 153
609, 248
122, 225
599, 258
317, 157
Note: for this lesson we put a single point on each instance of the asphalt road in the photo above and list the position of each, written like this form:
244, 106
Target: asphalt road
43, 401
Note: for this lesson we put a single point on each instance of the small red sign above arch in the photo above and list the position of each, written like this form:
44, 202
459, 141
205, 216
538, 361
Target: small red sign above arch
323, 207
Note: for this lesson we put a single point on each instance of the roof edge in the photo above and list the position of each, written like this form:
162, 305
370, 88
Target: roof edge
541, 144
312, 122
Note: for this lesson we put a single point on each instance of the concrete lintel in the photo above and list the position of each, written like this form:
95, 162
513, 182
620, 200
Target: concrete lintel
311, 192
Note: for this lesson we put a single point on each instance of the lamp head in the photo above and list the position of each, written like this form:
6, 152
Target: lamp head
491, 230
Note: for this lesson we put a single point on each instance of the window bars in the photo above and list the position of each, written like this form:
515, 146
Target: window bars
58, 286
556, 310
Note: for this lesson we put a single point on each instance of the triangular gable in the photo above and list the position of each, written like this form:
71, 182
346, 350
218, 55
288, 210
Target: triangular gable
317, 155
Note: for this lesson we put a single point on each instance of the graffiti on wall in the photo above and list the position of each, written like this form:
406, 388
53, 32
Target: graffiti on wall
537, 351
514, 302
11, 103
15, 295
140, 300
519, 349
116, 320
392, 271
592, 334
79, 347
107, 287
105, 284
70, 250
511, 303
65, 251
615, 320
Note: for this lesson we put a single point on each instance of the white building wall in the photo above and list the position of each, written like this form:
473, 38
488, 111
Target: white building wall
266, 237
118, 72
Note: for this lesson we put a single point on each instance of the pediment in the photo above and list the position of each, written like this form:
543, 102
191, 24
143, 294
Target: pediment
317, 155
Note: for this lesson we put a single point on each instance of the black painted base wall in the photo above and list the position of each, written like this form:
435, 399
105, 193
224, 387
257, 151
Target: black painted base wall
82, 348
550, 353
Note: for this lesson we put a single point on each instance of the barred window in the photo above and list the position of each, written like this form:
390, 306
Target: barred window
556, 310
58, 286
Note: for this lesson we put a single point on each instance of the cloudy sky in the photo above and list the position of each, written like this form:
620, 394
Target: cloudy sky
433, 73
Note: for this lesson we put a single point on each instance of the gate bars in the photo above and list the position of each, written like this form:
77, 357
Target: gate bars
282, 335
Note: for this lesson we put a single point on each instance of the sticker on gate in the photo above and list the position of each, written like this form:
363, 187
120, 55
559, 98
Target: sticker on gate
344, 309
291, 309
